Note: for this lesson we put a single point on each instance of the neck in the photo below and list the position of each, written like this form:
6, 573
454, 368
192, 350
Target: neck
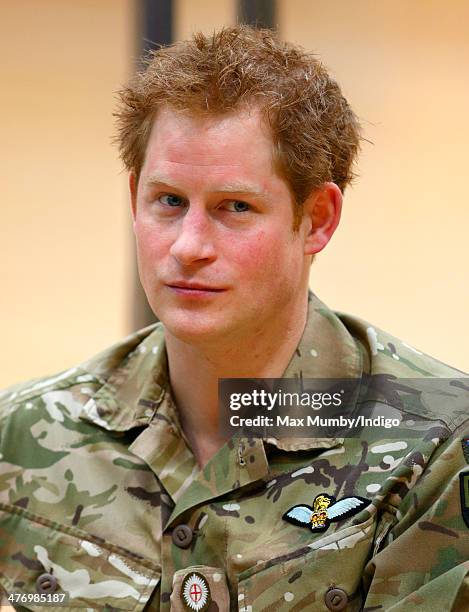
194, 370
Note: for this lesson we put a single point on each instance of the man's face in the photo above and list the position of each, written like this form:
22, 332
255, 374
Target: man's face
217, 254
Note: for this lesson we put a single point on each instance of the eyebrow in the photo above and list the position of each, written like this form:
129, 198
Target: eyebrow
229, 187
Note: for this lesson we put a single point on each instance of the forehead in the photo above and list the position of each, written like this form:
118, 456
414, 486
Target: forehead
237, 141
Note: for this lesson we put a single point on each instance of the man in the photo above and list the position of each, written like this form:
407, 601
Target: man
118, 490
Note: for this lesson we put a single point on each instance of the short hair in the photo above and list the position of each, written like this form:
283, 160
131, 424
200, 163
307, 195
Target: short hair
316, 135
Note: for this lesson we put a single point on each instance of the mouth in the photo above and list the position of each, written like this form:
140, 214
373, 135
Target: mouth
194, 288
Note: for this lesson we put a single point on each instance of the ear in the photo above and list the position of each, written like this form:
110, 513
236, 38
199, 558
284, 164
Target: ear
322, 212
133, 184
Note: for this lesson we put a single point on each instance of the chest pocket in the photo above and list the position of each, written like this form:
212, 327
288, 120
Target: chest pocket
41, 563
325, 575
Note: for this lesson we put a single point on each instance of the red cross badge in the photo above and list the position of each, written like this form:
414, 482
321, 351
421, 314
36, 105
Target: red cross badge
195, 592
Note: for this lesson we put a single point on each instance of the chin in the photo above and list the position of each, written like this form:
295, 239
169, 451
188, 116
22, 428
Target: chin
192, 329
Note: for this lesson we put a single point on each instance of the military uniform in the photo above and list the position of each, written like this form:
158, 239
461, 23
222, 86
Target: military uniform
101, 498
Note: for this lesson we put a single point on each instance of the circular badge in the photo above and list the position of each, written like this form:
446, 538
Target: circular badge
195, 592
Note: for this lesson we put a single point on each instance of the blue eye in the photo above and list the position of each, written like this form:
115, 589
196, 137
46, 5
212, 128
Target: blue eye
171, 200
238, 206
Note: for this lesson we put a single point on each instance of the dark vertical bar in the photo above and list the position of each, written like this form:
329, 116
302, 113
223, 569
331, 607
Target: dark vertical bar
259, 13
156, 18
155, 28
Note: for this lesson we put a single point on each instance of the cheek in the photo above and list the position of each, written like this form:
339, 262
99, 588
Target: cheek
251, 249
262, 256
149, 242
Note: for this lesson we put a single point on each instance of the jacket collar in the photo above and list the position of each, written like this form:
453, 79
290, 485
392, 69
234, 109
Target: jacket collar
136, 381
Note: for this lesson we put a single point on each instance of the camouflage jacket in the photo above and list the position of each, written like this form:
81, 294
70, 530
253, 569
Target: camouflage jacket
101, 499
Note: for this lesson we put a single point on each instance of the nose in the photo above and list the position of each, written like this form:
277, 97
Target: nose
194, 241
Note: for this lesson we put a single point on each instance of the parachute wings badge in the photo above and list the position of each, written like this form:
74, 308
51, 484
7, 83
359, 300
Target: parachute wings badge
325, 510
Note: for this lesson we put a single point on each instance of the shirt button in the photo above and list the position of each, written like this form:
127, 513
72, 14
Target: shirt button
336, 599
182, 536
46, 583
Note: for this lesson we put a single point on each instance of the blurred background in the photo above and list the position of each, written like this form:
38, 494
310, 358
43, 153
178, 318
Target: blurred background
399, 259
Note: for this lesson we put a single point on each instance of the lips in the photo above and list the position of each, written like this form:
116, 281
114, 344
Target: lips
194, 287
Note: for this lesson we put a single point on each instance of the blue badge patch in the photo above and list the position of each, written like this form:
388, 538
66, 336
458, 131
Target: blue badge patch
325, 510
464, 490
